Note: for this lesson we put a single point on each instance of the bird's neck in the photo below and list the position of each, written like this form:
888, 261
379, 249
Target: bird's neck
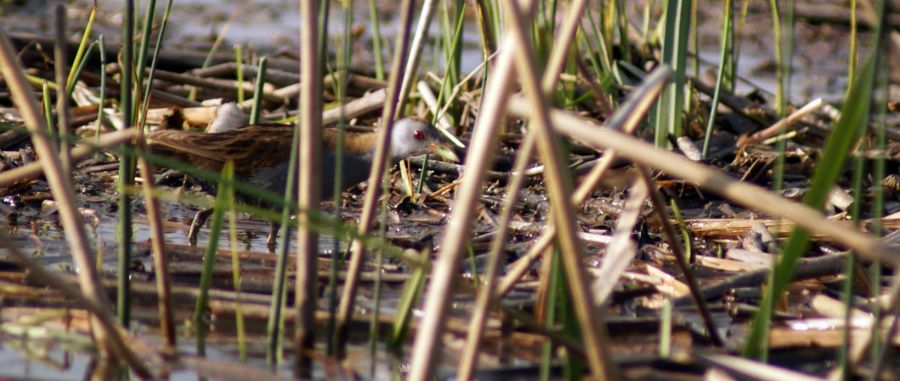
360, 144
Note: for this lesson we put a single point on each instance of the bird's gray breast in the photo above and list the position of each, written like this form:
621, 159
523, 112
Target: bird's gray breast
354, 171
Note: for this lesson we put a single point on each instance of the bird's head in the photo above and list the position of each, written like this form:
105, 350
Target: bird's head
414, 136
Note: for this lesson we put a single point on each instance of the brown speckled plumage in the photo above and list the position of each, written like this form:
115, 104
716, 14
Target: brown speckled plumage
250, 147
261, 154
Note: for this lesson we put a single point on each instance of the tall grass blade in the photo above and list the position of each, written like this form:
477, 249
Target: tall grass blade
63, 116
235, 263
412, 290
209, 256
47, 102
276, 319
727, 38
376, 40
256, 109
141, 63
854, 115
78, 67
159, 38
239, 72
126, 174
81, 55
669, 112
851, 50
341, 85
102, 102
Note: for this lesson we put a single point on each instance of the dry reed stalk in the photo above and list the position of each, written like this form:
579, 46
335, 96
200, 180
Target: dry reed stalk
713, 180
415, 53
557, 62
782, 124
559, 188
861, 346
83, 151
681, 259
62, 189
483, 301
157, 248
62, 99
379, 162
481, 148
622, 250
306, 287
113, 331
752, 369
626, 119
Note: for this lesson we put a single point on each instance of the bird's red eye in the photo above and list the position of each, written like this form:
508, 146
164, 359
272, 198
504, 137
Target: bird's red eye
418, 135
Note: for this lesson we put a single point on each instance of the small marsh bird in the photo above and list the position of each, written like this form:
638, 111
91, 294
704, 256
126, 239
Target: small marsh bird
261, 154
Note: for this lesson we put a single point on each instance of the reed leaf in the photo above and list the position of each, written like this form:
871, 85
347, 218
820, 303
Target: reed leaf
209, 257
669, 112
854, 115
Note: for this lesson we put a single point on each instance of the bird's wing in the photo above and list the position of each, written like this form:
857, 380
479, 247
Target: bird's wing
248, 147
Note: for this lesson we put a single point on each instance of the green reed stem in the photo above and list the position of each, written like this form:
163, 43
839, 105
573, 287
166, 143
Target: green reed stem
81, 55
379, 263
412, 290
256, 109
622, 24
727, 30
343, 64
780, 102
275, 324
63, 116
881, 95
665, 330
159, 38
235, 264
209, 257
376, 40
126, 172
851, 62
854, 116
669, 111
149, 14
47, 102
77, 68
101, 44
550, 316
239, 72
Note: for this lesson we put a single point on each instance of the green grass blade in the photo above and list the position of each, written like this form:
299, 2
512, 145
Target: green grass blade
276, 318
669, 111
101, 44
727, 29
412, 290
126, 172
255, 111
209, 256
77, 68
239, 72
854, 116
235, 262
80, 54
141, 63
376, 40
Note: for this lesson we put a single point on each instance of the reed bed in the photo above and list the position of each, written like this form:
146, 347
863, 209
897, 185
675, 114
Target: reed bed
615, 214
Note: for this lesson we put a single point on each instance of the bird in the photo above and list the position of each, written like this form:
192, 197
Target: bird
261, 154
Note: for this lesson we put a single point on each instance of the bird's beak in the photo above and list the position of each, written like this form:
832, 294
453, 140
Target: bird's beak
445, 151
